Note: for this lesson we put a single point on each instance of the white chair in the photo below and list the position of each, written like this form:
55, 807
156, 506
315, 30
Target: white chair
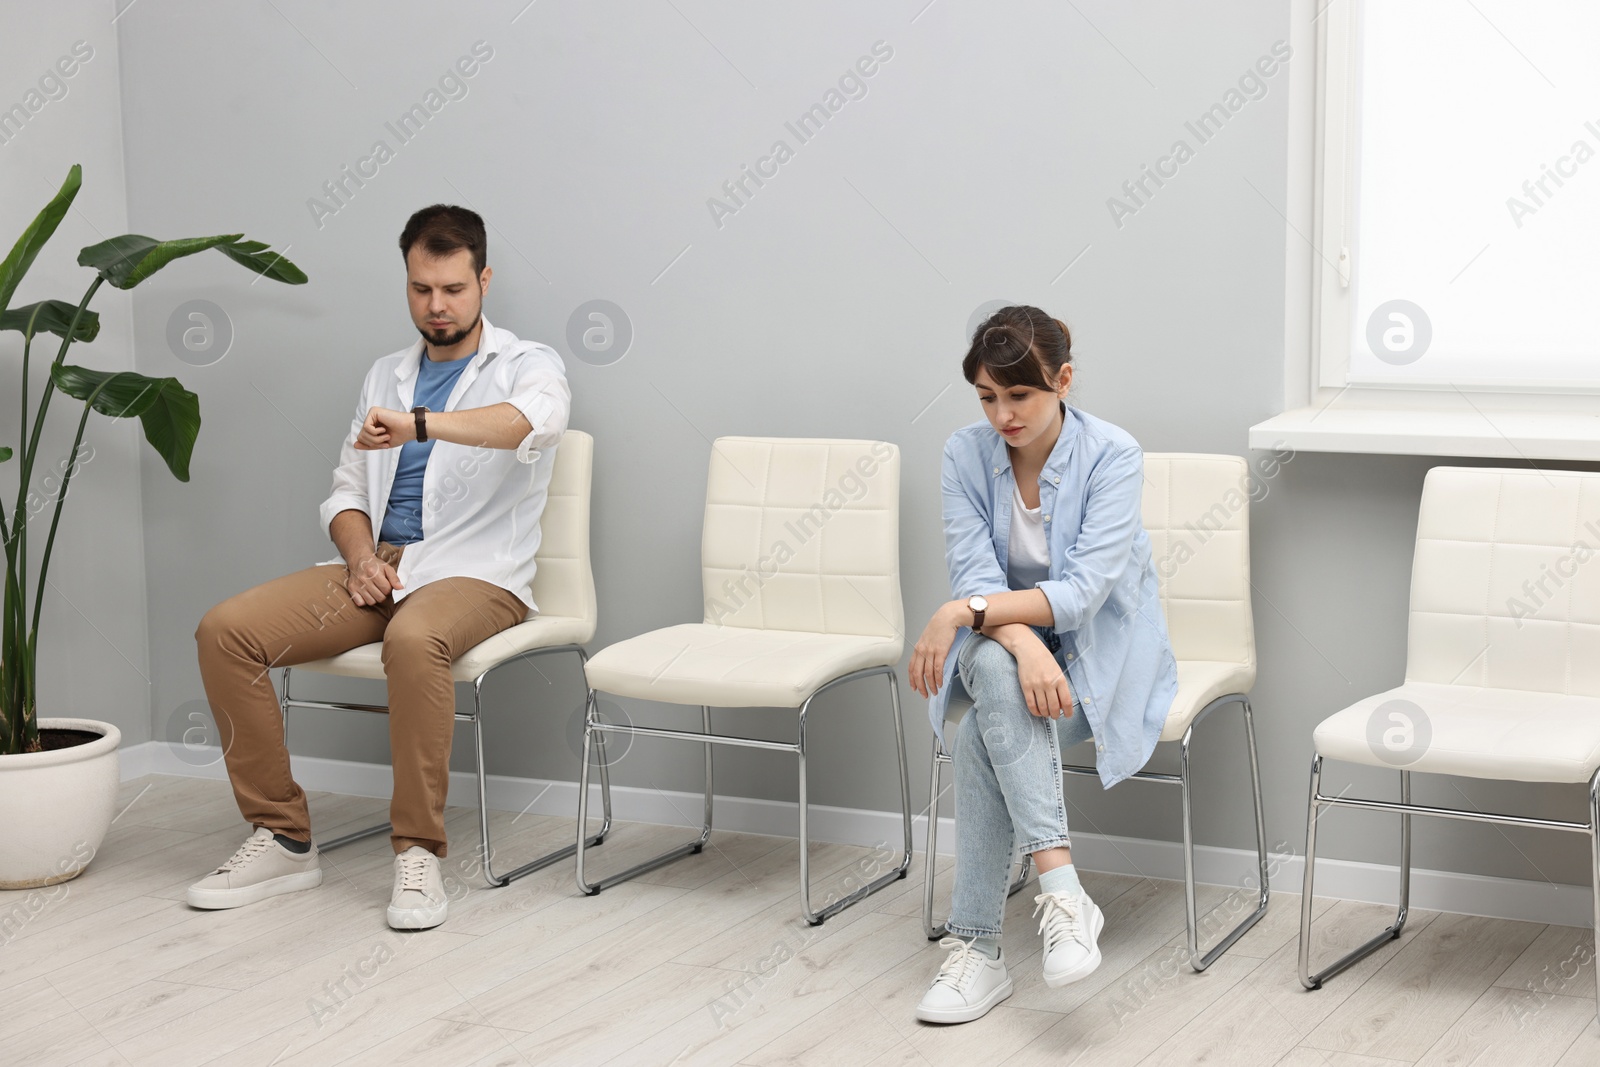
1196, 509
801, 575
563, 588
1502, 663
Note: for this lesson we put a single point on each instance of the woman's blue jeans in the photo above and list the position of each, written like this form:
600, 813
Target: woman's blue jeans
1007, 782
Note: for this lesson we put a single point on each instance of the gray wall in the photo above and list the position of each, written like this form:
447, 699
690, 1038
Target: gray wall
834, 303
94, 658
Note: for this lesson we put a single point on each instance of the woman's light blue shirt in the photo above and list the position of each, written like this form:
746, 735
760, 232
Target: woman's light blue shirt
1102, 587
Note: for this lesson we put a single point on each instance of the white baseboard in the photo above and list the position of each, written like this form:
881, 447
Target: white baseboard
1471, 894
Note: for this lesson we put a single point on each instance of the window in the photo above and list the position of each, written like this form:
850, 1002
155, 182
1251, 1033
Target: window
1451, 228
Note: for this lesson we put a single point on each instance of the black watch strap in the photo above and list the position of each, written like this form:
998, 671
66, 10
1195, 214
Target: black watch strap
422, 424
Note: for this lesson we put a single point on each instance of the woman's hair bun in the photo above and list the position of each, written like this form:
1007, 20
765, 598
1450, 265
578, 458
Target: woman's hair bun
1020, 345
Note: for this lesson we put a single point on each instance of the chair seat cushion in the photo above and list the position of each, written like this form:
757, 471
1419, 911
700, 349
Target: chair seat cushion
1199, 683
733, 666
1509, 734
541, 631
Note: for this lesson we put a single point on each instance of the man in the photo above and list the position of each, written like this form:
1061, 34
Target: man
449, 460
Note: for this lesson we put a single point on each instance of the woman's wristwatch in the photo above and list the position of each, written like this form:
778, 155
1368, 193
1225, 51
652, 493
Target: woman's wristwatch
979, 605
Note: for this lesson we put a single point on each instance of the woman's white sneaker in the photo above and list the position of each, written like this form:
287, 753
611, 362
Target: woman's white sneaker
967, 986
419, 900
261, 868
1070, 926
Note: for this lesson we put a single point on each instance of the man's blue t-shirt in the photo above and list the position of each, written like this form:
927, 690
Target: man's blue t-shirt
402, 521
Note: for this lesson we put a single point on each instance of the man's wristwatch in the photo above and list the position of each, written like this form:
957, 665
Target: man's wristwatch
979, 605
422, 424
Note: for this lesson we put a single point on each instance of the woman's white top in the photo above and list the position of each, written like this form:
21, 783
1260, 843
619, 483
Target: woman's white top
1028, 557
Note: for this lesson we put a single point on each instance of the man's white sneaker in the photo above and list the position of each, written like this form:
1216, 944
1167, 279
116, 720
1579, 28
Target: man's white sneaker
419, 901
261, 868
967, 986
1070, 926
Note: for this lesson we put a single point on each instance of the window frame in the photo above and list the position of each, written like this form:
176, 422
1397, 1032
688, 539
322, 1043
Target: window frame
1323, 409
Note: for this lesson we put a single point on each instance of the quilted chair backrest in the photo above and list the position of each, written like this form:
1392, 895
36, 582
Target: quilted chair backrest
803, 534
1196, 509
1505, 582
563, 583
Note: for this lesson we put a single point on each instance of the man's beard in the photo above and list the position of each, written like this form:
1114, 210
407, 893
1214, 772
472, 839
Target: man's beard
449, 340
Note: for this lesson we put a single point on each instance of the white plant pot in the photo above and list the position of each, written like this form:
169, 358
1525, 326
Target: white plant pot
55, 807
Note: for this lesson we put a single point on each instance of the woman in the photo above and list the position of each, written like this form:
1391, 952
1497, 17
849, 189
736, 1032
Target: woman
1058, 635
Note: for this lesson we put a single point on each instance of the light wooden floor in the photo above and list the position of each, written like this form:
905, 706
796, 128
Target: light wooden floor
706, 962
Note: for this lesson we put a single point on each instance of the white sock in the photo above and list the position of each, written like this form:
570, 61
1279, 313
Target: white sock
1062, 879
988, 946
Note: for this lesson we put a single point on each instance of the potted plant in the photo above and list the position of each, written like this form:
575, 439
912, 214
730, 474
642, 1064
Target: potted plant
59, 775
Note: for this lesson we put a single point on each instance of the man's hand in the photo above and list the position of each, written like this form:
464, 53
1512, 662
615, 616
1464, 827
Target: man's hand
386, 428
371, 580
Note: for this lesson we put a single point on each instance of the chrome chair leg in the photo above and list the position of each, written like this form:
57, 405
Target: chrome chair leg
476, 718
328, 846
554, 856
905, 777
814, 917
929, 857
688, 848
1594, 852
1198, 960
1405, 809
284, 703
1314, 981
593, 728
705, 826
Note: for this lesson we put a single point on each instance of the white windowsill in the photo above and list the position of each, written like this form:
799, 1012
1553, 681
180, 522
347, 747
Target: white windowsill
1522, 435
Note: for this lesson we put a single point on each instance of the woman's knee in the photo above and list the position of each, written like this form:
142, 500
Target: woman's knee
990, 671
986, 656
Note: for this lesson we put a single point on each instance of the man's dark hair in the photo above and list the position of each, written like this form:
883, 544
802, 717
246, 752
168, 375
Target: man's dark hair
444, 229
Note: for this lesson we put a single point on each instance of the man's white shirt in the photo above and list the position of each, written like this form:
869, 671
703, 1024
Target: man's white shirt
480, 506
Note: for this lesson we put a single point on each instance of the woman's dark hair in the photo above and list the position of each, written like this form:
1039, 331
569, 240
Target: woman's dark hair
1020, 345
444, 229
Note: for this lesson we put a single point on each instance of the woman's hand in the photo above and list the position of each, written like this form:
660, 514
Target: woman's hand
1043, 682
928, 655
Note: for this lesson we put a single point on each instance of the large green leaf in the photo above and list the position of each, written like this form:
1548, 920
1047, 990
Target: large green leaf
55, 316
128, 260
125, 395
169, 412
34, 237
254, 255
